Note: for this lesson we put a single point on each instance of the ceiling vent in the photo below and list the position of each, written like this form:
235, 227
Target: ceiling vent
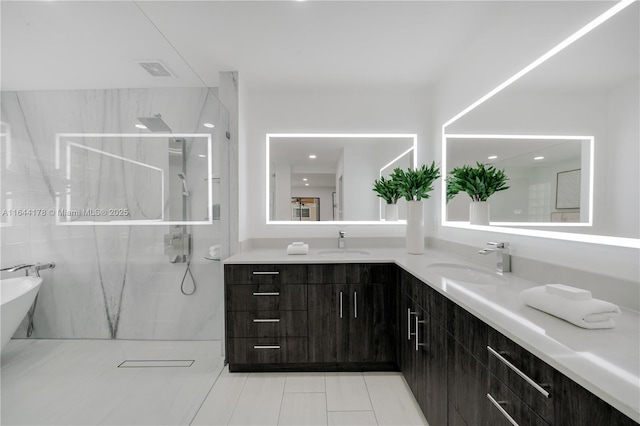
156, 69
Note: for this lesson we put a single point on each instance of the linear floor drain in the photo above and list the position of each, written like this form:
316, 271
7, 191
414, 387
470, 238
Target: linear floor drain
145, 363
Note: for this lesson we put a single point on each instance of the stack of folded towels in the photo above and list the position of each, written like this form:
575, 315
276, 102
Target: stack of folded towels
298, 247
571, 304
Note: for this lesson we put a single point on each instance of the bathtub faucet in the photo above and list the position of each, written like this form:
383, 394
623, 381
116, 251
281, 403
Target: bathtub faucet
33, 269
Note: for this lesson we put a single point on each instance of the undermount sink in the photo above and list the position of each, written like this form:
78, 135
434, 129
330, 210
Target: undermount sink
343, 252
464, 274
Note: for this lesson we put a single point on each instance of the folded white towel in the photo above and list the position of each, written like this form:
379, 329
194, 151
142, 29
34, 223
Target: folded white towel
298, 249
568, 292
593, 313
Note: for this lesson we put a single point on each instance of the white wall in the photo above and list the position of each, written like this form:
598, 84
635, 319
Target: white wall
327, 111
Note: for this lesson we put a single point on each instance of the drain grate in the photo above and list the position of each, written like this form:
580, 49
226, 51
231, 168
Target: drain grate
157, 363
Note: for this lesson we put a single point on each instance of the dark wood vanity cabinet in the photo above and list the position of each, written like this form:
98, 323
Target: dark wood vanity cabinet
423, 347
352, 315
314, 317
266, 316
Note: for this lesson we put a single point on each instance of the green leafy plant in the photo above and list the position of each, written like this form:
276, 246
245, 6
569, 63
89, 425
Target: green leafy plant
415, 184
387, 190
479, 182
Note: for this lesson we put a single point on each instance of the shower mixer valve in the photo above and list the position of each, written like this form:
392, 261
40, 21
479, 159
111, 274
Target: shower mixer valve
178, 246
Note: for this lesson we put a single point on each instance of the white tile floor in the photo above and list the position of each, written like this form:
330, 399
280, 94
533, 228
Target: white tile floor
77, 382
370, 398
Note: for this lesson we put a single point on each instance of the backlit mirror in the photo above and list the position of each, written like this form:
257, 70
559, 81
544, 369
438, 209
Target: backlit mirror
585, 92
325, 178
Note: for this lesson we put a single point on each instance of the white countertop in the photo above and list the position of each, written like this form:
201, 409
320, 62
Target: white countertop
606, 362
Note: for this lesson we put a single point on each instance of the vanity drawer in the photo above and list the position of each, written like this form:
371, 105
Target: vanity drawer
267, 297
351, 273
530, 378
267, 350
503, 403
267, 324
265, 274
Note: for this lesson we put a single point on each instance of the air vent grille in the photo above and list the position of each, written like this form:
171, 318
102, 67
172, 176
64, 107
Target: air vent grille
156, 69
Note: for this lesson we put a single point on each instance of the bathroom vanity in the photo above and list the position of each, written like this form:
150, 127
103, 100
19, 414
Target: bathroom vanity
471, 353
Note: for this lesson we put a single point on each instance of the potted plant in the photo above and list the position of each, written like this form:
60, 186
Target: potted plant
414, 185
389, 192
480, 183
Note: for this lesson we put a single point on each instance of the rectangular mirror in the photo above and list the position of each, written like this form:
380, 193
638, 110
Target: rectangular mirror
173, 166
336, 170
550, 178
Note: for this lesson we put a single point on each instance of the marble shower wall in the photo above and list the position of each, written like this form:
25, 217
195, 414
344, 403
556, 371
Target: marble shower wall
111, 281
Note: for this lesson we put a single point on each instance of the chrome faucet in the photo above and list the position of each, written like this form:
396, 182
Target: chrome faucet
16, 268
33, 269
341, 235
504, 258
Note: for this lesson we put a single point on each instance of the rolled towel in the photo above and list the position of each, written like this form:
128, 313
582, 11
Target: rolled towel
592, 314
298, 248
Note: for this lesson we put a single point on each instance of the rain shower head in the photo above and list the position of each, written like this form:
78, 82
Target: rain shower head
184, 185
155, 123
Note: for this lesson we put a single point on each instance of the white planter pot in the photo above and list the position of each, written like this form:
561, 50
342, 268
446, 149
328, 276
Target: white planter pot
391, 212
479, 213
415, 227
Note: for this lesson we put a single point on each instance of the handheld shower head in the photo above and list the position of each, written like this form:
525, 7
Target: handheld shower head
184, 185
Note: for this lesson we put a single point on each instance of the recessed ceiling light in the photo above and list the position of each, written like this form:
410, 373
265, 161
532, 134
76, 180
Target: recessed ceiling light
306, 184
305, 179
492, 157
202, 155
538, 158
209, 125
312, 156
140, 126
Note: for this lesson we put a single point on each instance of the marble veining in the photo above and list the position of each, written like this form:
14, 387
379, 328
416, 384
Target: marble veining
111, 281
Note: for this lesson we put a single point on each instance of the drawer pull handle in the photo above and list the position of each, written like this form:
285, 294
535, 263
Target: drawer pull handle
266, 346
355, 304
409, 333
275, 293
518, 372
340, 304
266, 320
266, 273
498, 405
417, 333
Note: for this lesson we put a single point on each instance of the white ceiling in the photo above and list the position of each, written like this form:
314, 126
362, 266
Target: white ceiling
272, 44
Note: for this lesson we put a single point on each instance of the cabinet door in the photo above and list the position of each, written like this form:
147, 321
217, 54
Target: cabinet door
407, 342
431, 368
327, 326
370, 312
467, 386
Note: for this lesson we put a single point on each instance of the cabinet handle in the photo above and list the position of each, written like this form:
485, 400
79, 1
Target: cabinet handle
267, 320
275, 293
355, 304
340, 305
266, 273
266, 346
498, 405
417, 333
409, 313
518, 372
